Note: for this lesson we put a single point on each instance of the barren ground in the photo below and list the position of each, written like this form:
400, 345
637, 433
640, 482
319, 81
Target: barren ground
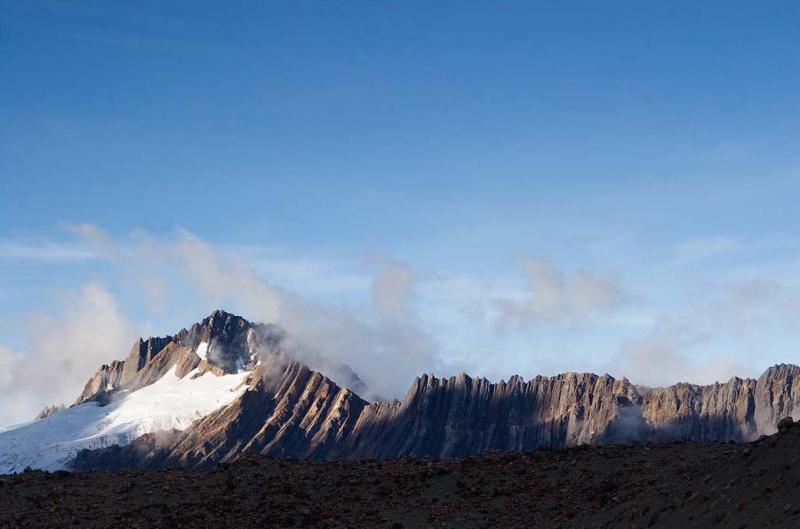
684, 485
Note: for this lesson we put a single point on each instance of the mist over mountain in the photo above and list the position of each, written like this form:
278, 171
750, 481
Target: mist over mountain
226, 386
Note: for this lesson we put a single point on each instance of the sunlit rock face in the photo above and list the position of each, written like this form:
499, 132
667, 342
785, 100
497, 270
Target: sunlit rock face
292, 411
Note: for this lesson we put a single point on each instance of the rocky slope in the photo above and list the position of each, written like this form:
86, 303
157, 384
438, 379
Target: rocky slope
290, 410
685, 485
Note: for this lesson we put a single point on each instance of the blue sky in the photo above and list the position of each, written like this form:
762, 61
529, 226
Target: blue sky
537, 186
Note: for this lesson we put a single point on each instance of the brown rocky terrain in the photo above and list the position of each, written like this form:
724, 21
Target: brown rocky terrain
677, 485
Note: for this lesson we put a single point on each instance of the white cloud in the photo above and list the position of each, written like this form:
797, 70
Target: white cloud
392, 290
387, 352
554, 296
388, 341
95, 236
305, 274
221, 282
666, 357
8, 361
743, 306
684, 346
43, 250
64, 349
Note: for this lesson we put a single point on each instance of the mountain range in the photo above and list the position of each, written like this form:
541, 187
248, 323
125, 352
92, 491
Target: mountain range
227, 386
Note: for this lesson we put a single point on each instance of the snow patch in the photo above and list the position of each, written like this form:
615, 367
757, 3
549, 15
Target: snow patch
171, 402
202, 350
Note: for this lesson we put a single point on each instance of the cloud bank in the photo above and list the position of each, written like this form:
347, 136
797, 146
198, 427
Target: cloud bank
494, 327
64, 348
386, 348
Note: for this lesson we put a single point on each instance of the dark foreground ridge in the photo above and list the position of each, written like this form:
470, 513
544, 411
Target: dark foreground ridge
685, 485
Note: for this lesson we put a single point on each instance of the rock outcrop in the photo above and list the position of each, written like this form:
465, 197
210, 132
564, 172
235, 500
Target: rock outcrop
47, 411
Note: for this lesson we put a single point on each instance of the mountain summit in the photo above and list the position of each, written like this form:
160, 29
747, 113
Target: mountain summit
222, 343
226, 387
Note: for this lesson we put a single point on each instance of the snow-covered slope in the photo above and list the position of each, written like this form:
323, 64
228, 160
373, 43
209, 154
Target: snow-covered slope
170, 402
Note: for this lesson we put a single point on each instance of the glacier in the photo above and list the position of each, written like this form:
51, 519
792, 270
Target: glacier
169, 403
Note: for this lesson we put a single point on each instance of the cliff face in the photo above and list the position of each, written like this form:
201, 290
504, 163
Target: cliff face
461, 415
290, 410
777, 396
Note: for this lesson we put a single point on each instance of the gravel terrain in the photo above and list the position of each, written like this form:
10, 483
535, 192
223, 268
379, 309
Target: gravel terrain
684, 485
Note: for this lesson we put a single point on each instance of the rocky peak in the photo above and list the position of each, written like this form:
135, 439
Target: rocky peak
221, 343
232, 342
47, 411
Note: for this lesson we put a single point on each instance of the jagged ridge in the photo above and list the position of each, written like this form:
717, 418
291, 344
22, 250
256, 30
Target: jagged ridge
292, 411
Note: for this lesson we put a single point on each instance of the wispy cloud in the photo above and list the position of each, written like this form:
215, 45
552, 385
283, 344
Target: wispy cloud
43, 250
65, 345
680, 344
8, 360
554, 295
387, 350
308, 274
392, 290
704, 248
658, 361
388, 333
